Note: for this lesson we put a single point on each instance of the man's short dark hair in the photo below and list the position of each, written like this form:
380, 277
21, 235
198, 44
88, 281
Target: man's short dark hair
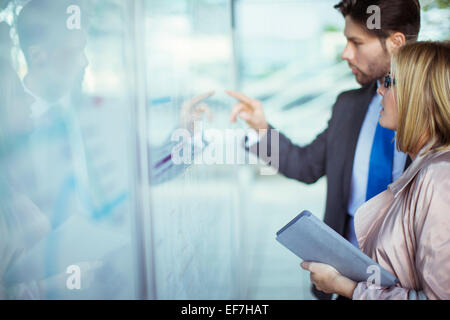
396, 16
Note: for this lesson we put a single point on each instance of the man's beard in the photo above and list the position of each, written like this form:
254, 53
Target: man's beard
365, 79
377, 70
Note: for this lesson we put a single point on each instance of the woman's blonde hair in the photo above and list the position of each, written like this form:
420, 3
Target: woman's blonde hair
422, 74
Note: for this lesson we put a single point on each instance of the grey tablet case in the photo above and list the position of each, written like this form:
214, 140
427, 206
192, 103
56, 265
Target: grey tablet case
312, 240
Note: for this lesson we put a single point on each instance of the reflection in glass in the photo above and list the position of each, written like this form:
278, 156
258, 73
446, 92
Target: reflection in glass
66, 217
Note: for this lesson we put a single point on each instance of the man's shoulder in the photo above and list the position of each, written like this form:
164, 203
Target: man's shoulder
368, 89
353, 102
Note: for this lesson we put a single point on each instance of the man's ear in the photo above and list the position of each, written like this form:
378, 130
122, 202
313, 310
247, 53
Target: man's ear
395, 41
36, 56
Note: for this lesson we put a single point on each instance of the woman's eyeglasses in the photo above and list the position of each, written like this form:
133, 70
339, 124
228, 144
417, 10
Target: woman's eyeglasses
388, 81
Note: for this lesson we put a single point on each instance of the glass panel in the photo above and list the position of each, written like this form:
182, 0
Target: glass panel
194, 209
66, 215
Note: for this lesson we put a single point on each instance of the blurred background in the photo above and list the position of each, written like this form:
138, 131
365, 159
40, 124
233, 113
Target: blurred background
93, 185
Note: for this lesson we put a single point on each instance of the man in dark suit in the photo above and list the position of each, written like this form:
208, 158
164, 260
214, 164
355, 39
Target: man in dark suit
358, 157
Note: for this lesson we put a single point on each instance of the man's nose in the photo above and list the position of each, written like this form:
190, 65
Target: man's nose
347, 54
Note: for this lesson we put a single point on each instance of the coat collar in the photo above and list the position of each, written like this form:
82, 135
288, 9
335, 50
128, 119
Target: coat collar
422, 161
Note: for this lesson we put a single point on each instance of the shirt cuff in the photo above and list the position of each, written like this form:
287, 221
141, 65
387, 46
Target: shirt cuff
252, 138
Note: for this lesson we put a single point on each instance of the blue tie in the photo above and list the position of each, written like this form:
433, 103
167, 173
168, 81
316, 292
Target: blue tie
381, 162
380, 170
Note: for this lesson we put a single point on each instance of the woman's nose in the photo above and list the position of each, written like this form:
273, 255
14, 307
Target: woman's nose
380, 91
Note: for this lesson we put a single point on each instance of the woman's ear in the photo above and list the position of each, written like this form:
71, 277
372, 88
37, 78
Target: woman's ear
395, 41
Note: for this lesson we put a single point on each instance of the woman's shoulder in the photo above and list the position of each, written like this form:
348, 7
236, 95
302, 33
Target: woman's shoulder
436, 167
430, 192
432, 165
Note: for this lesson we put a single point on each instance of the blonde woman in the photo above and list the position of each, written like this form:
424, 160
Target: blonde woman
406, 229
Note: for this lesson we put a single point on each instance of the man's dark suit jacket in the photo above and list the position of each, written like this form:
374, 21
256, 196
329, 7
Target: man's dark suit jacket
331, 154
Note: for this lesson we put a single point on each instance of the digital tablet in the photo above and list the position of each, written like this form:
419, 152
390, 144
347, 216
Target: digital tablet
312, 240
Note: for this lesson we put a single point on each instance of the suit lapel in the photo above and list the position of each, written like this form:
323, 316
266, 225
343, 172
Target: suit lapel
360, 107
